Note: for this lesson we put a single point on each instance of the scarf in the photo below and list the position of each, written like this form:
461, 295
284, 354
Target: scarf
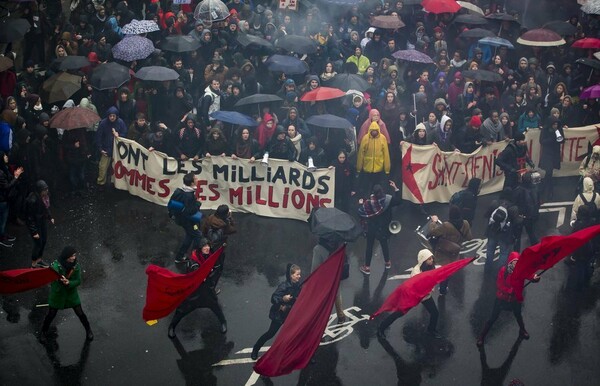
374, 206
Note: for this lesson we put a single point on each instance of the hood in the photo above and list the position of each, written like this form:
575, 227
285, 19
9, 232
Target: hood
373, 112
293, 109
473, 185
279, 130
40, 186
420, 126
596, 149
588, 185
513, 256
422, 257
44, 117
112, 110
391, 68
288, 272
68, 104
504, 115
370, 30
84, 103
440, 101
22, 135
443, 121
191, 117
439, 75
313, 77
374, 126
267, 117
467, 84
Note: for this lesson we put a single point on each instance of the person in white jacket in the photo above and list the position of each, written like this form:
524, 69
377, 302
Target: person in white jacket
425, 262
587, 196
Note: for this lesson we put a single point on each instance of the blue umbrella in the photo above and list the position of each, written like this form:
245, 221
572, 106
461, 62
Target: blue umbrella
286, 64
329, 121
133, 48
234, 118
496, 42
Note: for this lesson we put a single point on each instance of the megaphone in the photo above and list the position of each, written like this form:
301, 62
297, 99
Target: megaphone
395, 227
559, 137
265, 159
311, 165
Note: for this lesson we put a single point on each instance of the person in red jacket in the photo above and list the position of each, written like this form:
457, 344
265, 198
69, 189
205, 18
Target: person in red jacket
506, 300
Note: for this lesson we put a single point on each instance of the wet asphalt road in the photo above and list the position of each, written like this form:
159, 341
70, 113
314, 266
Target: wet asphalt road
118, 235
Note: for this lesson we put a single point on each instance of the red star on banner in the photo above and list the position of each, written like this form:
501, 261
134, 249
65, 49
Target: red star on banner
408, 174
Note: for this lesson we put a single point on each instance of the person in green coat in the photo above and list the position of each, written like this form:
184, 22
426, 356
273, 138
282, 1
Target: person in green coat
63, 292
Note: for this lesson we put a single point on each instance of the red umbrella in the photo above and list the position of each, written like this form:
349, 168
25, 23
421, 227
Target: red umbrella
591, 43
591, 92
440, 6
74, 118
322, 94
541, 37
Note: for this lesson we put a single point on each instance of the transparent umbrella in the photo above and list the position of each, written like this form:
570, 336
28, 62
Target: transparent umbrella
211, 11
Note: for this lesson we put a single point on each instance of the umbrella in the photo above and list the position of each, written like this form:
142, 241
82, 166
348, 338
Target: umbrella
247, 40
180, 43
589, 62
562, 28
502, 17
472, 19
108, 76
137, 27
13, 29
234, 118
156, 73
591, 8
482, 75
496, 42
286, 64
70, 63
74, 118
597, 55
328, 121
258, 98
476, 33
541, 37
387, 22
5, 63
211, 11
60, 87
470, 7
333, 223
590, 43
133, 48
322, 94
412, 56
440, 6
591, 92
298, 44
349, 82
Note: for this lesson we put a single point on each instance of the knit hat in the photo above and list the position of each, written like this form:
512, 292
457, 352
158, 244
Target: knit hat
440, 101
420, 126
475, 121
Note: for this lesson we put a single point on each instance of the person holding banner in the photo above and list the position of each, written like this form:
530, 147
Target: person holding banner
506, 300
282, 301
63, 292
186, 215
425, 262
512, 159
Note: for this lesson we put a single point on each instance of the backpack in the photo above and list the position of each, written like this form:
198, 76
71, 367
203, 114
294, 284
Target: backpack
590, 204
457, 198
499, 219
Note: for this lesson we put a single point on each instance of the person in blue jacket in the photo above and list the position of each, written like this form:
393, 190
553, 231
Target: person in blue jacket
109, 128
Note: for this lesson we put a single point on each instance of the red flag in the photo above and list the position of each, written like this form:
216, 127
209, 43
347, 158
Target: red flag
167, 290
411, 292
545, 254
303, 329
20, 280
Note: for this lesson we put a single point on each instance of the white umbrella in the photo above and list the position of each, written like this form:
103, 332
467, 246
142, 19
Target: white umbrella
471, 7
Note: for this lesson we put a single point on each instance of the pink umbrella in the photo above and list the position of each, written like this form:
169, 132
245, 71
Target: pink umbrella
591, 92
541, 37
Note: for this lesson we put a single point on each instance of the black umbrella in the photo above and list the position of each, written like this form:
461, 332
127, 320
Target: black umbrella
476, 33
258, 98
156, 73
13, 29
482, 75
470, 18
286, 64
234, 118
328, 121
589, 62
180, 43
248, 40
298, 44
349, 82
331, 223
562, 28
70, 63
108, 76
60, 87
502, 17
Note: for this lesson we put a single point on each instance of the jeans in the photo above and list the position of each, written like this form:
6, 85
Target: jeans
505, 249
39, 244
77, 175
385, 249
3, 217
193, 235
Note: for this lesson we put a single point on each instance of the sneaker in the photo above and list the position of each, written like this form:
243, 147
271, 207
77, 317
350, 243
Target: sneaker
180, 260
365, 269
388, 265
524, 334
6, 243
443, 291
223, 328
434, 334
217, 291
10, 238
89, 335
40, 264
381, 333
171, 332
341, 320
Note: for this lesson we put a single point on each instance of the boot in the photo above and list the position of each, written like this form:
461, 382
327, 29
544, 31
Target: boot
481, 338
223, 327
523, 334
89, 335
254, 354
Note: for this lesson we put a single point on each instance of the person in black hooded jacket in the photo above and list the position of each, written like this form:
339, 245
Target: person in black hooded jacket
512, 159
282, 301
8, 182
281, 147
37, 210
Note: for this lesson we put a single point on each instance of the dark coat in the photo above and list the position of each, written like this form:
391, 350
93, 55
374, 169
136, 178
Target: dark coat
510, 160
75, 155
36, 213
104, 135
190, 206
379, 224
65, 296
550, 157
280, 309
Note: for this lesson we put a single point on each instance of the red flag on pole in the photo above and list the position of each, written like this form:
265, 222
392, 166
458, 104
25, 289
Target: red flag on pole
20, 280
167, 290
303, 329
411, 292
546, 254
